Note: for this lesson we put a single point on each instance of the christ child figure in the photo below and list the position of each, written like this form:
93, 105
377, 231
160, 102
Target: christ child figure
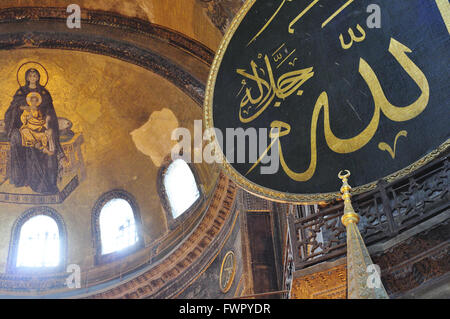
35, 131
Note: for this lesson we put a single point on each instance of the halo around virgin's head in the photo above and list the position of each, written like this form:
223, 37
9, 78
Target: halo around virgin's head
32, 65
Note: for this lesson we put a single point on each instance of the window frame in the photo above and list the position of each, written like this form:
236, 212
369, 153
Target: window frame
172, 222
96, 231
15, 238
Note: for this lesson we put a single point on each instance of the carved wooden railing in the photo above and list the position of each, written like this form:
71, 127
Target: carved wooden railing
318, 234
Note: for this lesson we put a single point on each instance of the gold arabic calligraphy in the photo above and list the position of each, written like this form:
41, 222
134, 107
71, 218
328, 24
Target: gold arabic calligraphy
342, 146
252, 106
298, 17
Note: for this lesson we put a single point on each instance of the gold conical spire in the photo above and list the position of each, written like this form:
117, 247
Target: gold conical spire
359, 263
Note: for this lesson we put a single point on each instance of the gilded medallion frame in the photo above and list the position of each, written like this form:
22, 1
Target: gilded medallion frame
233, 272
268, 193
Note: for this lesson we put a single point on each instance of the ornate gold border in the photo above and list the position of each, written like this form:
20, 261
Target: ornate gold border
231, 280
266, 192
215, 256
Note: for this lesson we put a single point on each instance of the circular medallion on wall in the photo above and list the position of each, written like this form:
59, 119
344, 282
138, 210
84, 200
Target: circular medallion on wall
227, 271
300, 90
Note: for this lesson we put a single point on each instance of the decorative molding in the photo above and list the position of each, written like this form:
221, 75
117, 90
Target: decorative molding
112, 20
65, 39
204, 263
252, 203
419, 259
32, 283
327, 284
169, 276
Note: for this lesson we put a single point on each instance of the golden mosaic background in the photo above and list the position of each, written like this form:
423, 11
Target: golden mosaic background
126, 115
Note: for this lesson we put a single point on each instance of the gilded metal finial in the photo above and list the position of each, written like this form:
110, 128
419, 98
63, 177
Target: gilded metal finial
358, 258
350, 216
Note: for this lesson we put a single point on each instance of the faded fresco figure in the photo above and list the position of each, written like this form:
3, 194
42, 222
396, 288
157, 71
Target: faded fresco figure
33, 133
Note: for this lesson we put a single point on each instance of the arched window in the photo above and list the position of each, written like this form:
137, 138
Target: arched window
116, 226
180, 187
38, 241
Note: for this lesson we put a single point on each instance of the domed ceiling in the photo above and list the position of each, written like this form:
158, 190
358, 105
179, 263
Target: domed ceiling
119, 86
122, 116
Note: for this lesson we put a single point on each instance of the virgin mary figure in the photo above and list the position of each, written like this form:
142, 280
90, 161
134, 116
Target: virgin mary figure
28, 165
